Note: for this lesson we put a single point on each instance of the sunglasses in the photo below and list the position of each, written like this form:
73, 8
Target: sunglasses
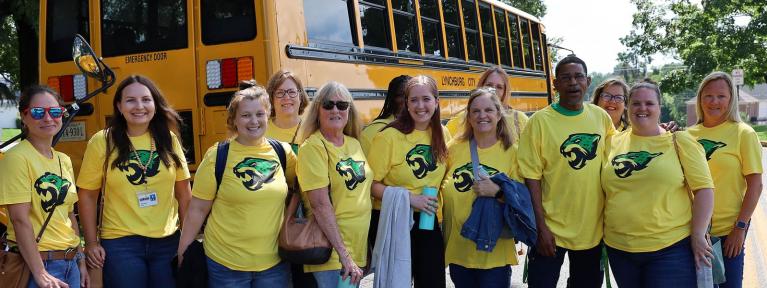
341, 105
38, 113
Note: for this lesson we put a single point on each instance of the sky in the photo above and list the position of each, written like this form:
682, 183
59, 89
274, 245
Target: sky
592, 29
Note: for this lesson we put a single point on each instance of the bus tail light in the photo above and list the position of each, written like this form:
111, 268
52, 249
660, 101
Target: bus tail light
226, 73
70, 87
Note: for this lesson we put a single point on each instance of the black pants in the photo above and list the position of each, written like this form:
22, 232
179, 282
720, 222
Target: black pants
300, 278
585, 268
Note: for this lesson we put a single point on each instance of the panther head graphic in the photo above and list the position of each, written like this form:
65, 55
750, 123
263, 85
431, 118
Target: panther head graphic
710, 146
352, 171
52, 190
135, 175
579, 148
254, 172
463, 177
625, 164
421, 161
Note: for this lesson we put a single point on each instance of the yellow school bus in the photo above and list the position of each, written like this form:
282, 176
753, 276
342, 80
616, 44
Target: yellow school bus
197, 51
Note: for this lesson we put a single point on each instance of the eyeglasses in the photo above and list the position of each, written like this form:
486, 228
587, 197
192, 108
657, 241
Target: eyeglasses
292, 93
578, 77
612, 98
341, 105
38, 113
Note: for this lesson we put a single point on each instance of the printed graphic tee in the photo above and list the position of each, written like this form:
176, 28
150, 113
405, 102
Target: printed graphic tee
285, 135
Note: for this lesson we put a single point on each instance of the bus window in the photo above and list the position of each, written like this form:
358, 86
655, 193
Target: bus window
60, 29
131, 27
375, 23
472, 30
432, 31
405, 26
537, 47
453, 28
227, 21
486, 18
503, 38
515, 47
526, 46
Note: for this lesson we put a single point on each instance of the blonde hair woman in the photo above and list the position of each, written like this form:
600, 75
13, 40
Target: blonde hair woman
335, 178
734, 156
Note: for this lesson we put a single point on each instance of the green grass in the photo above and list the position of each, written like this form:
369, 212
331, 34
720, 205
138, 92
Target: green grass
761, 130
9, 133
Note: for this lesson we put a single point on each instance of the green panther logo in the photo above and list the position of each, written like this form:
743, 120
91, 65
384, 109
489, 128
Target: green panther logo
579, 148
463, 177
254, 172
710, 146
421, 161
625, 164
53, 188
135, 175
352, 171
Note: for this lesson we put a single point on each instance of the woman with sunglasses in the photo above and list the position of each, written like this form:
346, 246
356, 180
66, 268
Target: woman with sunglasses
288, 100
335, 178
36, 184
139, 162
411, 153
494, 77
238, 257
734, 157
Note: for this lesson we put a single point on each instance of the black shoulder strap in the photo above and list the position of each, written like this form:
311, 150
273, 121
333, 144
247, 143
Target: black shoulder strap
221, 154
277, 146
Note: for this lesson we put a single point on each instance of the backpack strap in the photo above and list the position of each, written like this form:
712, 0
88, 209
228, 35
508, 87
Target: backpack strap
280, 150
221, 154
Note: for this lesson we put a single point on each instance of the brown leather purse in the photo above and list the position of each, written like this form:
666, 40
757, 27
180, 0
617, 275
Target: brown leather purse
301, 241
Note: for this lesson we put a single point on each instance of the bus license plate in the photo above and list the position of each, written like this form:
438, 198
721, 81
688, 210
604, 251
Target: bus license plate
74, 132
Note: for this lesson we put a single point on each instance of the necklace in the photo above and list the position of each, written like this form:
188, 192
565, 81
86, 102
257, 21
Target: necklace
144, 167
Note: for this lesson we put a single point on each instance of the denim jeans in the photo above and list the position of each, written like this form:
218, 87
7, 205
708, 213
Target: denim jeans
223, 277
498, 277
64, 270
733, 268
138, 261
585, 268
671, 267
327, 279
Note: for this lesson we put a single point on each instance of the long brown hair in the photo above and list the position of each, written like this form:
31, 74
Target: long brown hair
165, 121
405, 123
29, 94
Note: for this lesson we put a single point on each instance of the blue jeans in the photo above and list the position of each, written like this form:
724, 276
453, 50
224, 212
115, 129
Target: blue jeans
585, 268
221, 276
671, 267
499, 277
138, 261
64, 270
733, 268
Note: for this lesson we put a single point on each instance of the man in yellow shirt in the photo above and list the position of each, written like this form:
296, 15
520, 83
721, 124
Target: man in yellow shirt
560, 156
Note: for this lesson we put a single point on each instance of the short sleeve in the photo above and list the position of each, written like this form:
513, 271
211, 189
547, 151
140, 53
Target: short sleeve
454, 124
312, 168
380, 161
182, 172
205, 178
446, 134
529, 157
15, 181
750, 152
693, 159
92, 168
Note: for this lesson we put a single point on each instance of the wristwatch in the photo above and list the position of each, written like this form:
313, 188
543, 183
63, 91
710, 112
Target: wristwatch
741, 225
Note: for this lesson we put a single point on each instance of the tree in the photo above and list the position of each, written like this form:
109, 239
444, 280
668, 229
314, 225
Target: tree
706, 37
535, 7
18, 45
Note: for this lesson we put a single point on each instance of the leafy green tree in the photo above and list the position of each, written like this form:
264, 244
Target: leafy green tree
535, 7
18, 45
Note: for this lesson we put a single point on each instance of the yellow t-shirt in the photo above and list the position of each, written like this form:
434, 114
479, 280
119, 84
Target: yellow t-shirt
126, 183
733, 151
458, 198
252, 194
345, 169
516, 121
26, 176
647, 206
370, 131
404, 160
284, 135
565, 153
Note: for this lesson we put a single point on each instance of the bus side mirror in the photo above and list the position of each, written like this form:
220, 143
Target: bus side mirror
86, 59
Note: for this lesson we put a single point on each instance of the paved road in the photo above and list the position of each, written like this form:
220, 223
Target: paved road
755, 271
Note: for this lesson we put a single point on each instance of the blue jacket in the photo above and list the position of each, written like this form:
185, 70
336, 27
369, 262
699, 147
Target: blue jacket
488, 216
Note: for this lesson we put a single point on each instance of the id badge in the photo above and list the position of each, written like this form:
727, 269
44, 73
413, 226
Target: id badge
146, 198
